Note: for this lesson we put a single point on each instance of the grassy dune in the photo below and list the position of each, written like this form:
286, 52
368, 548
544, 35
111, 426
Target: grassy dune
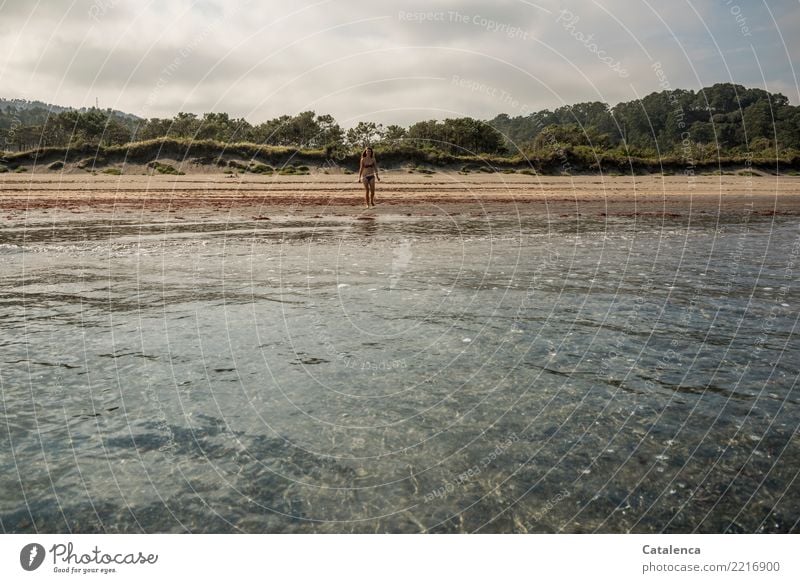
249, 157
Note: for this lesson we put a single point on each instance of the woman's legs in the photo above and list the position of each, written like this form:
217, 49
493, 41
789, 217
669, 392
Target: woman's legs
372, 192
366, 191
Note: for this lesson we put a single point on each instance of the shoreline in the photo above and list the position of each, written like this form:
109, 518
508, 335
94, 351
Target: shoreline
401, 193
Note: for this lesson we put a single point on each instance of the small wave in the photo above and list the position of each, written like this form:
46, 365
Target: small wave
10, 248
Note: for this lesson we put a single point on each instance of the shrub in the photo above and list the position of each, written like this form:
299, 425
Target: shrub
113, 171
292, 170
162, 168
57, 165
21, 169
423, 170
261, 169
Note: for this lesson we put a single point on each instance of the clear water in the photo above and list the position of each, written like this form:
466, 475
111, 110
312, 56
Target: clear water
402, 374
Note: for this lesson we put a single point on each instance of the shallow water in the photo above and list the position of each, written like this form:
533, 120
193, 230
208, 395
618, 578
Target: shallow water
438, 373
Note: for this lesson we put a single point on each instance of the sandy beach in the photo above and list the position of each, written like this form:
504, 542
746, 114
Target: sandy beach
399, 192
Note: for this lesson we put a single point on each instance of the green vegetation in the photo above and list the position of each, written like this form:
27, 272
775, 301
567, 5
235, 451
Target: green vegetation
25, 125
679, 131
420, 170
292, 170
162, 168
722, 120
113, 171
261, 169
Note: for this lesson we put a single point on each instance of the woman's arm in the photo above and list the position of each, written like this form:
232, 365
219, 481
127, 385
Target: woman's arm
360, 168
377, 177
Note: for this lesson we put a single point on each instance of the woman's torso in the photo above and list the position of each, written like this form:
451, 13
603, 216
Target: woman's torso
368, 164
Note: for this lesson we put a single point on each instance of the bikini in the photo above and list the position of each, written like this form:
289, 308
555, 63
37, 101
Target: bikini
369, 177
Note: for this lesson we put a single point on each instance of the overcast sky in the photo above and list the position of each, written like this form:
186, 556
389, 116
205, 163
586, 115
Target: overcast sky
394, 61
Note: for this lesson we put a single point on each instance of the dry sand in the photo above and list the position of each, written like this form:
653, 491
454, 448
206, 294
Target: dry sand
27, 195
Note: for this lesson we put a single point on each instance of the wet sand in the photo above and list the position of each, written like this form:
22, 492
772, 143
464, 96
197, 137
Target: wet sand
247, 196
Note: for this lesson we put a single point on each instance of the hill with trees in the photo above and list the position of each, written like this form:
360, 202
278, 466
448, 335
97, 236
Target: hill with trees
722, 124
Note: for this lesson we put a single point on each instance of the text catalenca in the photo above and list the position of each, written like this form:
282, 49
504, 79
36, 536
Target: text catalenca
670, 550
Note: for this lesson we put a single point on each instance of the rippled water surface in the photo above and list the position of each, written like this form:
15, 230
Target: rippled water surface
406, 374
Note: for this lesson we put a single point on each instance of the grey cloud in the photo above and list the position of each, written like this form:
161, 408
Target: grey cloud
128, 67
262, 59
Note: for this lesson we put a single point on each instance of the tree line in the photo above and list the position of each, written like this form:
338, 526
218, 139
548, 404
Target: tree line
721, 119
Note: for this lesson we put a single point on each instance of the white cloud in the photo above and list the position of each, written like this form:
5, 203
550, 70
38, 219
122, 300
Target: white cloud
388, 61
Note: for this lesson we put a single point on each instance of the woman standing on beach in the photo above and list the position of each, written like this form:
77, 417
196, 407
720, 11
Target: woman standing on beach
368, 174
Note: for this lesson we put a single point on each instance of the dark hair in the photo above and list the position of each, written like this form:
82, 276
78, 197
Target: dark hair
364, 153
